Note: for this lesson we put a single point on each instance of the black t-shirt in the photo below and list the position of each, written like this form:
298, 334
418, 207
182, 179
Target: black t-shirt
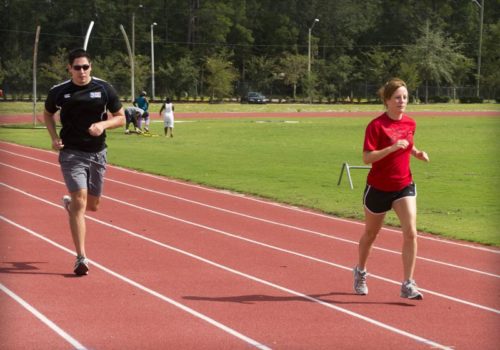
80, 107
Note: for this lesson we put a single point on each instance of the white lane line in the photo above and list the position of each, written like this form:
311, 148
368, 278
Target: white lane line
297, 209
261, 201
317, 233
75, 343
294, 253
372, 321
348, 268
142, 287
266, 202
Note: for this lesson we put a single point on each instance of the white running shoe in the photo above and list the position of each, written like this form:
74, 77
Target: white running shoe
81, 266
360, 286
410, 290
66, 202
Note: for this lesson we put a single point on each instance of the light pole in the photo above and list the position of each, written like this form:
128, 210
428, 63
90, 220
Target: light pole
309, 57
133, 33
152, 62
133, 53
133, 30
309, 48
129, 49
481, 8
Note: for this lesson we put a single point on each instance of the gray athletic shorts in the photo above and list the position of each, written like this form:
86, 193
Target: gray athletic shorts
83, 170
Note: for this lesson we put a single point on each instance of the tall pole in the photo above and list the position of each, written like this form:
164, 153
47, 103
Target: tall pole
131, 62
152, 62
481, 15
87, 36
132, 54
133, 50
309, 57
133, 33
35, 55
309, 54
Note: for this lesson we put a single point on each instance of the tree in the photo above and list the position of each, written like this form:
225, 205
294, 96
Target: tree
180, 78
220, 76
213, 25
341, 70
54, 71
409, 73
435, 56
380, 65
276, 32
142, 72
293, 69
164, 82
2, 75
241, 36
491, 60
344, 24
261, 73
365, 41
325, 84
112, 69
18, 76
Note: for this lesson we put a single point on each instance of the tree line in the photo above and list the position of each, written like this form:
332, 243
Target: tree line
321, 50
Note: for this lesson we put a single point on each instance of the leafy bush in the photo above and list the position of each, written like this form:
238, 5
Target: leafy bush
439, 99
471, 99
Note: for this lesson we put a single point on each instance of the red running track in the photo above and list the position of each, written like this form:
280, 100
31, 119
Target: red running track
175, 265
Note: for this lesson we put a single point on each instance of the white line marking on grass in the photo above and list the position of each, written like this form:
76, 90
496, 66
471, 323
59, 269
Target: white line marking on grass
42, 317
317, 233
228, 269
239, 195
348, 268
141, 287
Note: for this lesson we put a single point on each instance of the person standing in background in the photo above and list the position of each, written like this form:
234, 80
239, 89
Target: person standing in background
167, 110
142, 102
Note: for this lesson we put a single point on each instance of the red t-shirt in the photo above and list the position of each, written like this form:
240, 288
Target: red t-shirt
391, 173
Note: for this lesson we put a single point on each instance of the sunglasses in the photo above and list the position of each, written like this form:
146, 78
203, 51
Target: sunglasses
84, 67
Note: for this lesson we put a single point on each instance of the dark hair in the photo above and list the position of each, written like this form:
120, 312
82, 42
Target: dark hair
77, 53
167, 100
386, 91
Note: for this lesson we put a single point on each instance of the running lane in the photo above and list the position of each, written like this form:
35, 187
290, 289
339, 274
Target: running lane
286, 270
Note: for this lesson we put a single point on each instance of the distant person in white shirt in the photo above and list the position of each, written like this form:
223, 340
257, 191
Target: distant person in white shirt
167, 111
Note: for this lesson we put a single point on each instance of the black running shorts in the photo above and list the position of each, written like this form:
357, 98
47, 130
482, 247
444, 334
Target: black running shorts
379, 202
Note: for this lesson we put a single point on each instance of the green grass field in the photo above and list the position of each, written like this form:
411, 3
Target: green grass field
298, 161
7, 108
